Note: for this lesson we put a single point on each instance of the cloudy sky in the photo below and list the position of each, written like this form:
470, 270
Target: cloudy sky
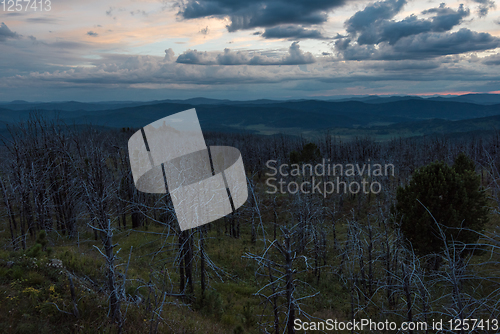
244, 49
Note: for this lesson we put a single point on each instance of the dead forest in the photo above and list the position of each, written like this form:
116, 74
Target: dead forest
83, 251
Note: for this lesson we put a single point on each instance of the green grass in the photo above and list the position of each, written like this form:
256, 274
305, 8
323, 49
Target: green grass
31, 289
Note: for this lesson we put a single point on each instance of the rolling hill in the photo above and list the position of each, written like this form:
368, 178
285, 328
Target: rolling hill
396, 115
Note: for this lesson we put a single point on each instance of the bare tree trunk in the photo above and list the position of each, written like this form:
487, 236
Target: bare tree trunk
186, 261
407, 292
202, 260
114, 300
10, 214
189, 262
370, 259
289, 285
182, 283
274, 300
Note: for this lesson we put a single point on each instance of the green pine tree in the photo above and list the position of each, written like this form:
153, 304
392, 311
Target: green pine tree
454, 197
309, 154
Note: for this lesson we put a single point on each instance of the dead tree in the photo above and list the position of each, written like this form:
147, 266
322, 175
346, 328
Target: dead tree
99, 191
286, 252
280, 289
186, 262
203, 270
7, 199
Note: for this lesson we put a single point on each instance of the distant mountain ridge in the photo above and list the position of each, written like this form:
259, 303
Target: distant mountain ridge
482, 99
385, 114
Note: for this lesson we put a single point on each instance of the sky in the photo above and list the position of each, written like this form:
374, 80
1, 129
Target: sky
242, 49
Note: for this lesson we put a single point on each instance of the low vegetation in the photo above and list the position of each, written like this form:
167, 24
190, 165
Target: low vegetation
85, 252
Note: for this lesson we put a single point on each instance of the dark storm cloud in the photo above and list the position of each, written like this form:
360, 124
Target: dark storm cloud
6, 33
492, 60
292, 32
382, 10
484, 6
405, 65
446, 18
295, 56
374, 34
264, 13
384, 30
426, 45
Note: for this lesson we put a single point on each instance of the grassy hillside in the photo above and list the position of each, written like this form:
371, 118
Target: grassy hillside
36, 294
283, 255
